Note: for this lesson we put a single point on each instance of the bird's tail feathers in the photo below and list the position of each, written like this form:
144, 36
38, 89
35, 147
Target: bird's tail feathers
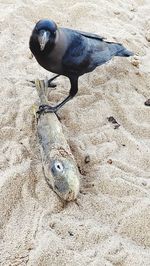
118, 49
125, 52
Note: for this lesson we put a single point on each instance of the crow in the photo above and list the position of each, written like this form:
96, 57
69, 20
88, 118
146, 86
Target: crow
70, 53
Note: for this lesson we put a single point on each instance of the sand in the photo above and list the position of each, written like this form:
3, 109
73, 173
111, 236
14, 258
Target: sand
110, 222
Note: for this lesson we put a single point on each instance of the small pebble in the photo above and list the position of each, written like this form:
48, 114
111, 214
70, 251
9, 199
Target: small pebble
135, 62
82, 171
109, 161
138, 73
30, 56
133, 33
116, 12
147, 102
144, 183
70, 233
147, 36
87, 159
116, 126
132, 9
113, 121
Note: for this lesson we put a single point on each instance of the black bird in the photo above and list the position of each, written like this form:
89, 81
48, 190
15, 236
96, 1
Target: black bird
70, 53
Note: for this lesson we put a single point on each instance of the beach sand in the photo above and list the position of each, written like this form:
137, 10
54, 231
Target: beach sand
110, 222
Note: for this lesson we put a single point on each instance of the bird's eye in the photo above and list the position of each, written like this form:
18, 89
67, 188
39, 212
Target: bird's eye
41, 31
36, 29
54, 33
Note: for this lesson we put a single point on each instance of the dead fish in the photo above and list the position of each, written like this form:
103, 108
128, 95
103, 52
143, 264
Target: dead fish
59, 165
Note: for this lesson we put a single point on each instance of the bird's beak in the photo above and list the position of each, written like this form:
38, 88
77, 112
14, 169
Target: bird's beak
43, 38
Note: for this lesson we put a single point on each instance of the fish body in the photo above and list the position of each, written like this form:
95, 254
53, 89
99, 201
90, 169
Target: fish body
59, 166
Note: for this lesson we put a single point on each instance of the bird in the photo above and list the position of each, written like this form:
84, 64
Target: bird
71, 53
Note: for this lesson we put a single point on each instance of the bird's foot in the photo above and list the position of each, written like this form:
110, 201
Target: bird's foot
47, 83
46, 109
50, 84
32, 82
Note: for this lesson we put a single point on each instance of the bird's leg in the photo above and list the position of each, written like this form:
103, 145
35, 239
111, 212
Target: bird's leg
49, 82
72, 93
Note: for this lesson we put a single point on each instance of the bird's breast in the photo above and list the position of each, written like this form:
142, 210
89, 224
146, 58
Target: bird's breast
50, 63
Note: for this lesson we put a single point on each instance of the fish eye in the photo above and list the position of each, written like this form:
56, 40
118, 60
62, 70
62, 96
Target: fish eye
57, 168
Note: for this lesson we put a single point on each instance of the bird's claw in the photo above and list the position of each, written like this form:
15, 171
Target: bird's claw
43, 107
46, 109
31, 82
51, 84
47, 83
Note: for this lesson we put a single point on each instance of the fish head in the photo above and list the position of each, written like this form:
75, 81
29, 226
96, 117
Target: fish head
63, 179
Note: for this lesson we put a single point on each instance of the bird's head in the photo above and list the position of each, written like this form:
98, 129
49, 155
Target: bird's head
45, 33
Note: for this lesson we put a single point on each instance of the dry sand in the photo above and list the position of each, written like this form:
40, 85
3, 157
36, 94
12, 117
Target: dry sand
110, 225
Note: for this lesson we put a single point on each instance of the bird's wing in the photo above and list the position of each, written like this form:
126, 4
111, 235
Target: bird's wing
76, 56
88, 34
